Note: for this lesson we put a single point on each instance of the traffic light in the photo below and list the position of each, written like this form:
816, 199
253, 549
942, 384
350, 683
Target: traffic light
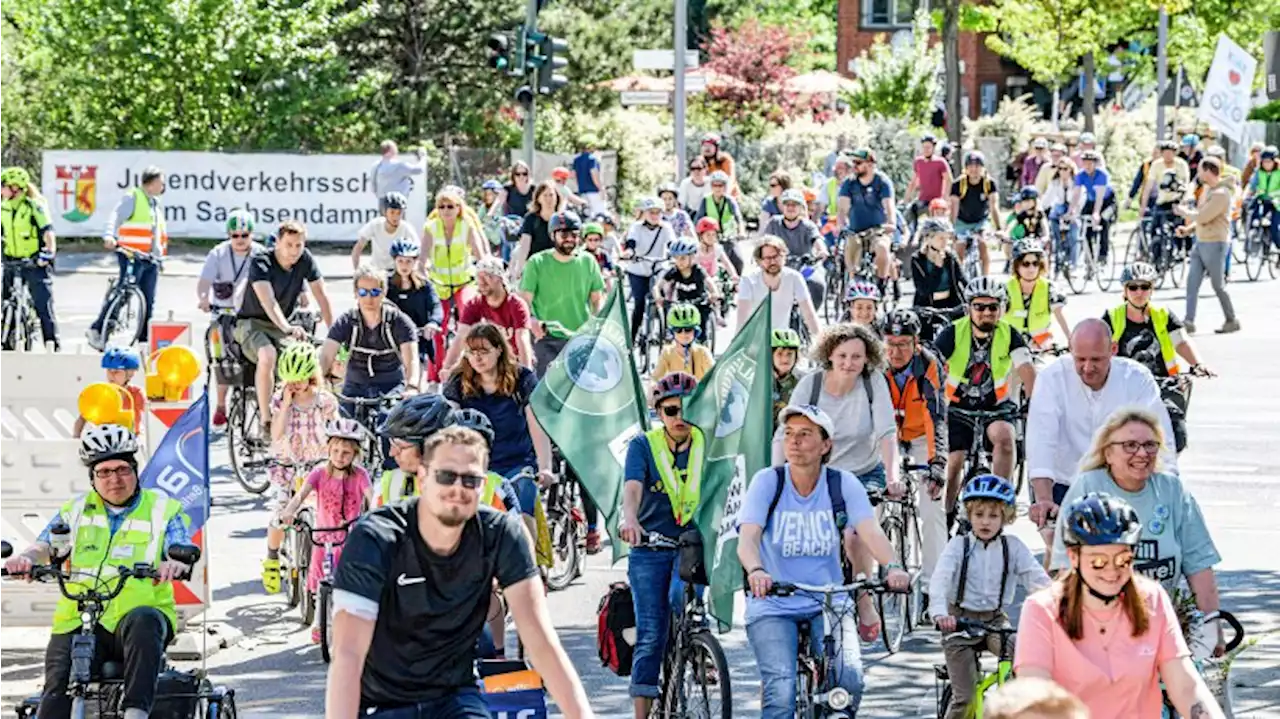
555, 50
524, 96
499, 56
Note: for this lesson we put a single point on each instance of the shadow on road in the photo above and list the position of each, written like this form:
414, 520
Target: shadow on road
1253, 596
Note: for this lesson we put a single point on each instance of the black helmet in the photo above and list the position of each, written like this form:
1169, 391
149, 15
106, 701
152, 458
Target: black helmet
395, 201
902, 322
1270, 152
565, 221
476, 420
417, 417
1099, 518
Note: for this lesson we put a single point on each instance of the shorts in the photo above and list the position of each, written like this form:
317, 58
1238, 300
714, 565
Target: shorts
526, 488
964, 228
253, 335
873, 478
960, 436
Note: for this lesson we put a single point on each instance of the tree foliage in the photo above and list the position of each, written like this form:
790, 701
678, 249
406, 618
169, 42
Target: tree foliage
816, 19
756, 61
1046, 37
899, 82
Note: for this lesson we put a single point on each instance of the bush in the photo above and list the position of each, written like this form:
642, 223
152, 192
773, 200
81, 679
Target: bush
899, 82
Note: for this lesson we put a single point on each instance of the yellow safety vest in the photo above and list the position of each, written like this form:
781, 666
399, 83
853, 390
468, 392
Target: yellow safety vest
683, 488
723, 216
489, 494
1001, 362
833, 194
1033, 320
391, 487
96, 554
450, 259
143, 231
22, 219
1160, 323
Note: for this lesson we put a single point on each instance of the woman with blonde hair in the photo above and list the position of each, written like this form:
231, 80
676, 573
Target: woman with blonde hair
1033, 699
1124, 462
451, 242
1104, 632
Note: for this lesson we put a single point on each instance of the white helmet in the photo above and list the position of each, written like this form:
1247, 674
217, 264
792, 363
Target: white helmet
344, 428
107, 441
985, 287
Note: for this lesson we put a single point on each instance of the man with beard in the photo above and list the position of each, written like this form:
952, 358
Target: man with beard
413, 590
495, 304
785, 284
563, 288
866, 202
981, 353
802, 237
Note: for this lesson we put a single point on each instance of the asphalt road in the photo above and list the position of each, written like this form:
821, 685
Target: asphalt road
277, 672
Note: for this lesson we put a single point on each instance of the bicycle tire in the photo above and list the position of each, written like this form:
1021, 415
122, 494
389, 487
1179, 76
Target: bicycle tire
123, 300
564, 546
224, 708
1100, 269
944, 701
1255, 252
9, 339
703, 650
302, 564
894, 608
249, 469
325, 600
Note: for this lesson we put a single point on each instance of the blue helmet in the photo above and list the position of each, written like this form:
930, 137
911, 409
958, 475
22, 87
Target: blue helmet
121, 358
1099, 518
682, 246
989, 486
492, 186
405, 248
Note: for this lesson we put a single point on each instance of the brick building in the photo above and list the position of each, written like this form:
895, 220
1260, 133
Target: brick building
985, 77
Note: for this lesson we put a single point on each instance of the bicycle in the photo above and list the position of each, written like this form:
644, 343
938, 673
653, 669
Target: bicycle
20, 324
1154, 241
977, 459
836, 282
972, 262
367, 411
249, 450
1091, 234
695, 673
1175, 393
567, 525
986, 681
1258, 249
1063, 266
103, 686
900, 521
322, 601
125, 303
295, 550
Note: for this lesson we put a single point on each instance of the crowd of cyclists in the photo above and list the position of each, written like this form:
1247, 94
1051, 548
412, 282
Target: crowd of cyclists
947, 399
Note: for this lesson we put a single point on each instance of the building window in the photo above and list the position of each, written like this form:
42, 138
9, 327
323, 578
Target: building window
890, 13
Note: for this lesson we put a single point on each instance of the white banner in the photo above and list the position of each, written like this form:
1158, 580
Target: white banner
331, 194
1225, 103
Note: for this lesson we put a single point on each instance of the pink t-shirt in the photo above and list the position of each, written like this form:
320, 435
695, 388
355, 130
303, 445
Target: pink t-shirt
931, 174
1114, 673
338, 501
511, 315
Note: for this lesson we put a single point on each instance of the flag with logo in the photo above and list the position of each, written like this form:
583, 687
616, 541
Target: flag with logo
179, 468
590, 404
733, 405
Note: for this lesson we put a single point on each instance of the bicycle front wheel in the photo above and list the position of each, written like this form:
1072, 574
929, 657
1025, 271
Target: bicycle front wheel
700, 686
124, 318
324, 615
566, 555
893, 607
1255, 253
248, 452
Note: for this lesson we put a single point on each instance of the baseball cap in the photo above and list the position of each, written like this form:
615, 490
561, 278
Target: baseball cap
815, 415
863, 154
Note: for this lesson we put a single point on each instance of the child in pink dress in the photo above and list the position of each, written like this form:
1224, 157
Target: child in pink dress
342, 488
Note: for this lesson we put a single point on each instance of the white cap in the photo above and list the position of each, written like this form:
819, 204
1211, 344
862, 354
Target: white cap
1040, 143
815, 415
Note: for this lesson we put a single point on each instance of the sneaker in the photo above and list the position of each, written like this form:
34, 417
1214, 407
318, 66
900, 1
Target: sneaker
1189, 326
271, 575
593, 541
1229, 327
94, 338
220, 417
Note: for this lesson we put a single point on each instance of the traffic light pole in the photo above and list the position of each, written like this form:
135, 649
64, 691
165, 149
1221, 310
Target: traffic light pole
530, 24
681, 42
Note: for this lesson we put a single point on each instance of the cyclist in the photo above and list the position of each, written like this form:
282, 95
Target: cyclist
1033, 300
914, 377
382, 340
119, 522
28, 234
1151, 336
1165, 183
276, 279
1209, 222
787, 286
647, 242
672, 213
560, 177
779, 182
721, 207
802, 237
562, 288
866, 202
383, 232
221, 285
661, 494
1088, 143
973, 581
981, 353
841, 170
408, 423
684, 353
1068, 630
409, 290
517, 195
687, 282
818, 509
1034, 160
930, 177
1048, 170
593, 244
975, 201
718, 160
1264, 192
1027, 221
711, 255
413, 590
694, 187
1190, 153
861, 300
786, 352
497, 305
452, 244
137, 224
1093, 188
1061, 202
936, 271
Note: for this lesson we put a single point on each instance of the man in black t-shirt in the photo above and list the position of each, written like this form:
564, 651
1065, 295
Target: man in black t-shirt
276, 279
975, 200
413, 588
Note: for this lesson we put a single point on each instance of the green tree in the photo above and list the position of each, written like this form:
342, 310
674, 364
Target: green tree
815, 19
899, 82
756, 61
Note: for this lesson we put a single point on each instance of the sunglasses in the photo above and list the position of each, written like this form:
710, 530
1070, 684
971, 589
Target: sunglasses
446, 207
1143, 287
698, 167
1132, 446
1029, 263
672, 410
1099, 562
683, 330
520, 174
368, 291
240, 235
985, 306
447, 477
568, 233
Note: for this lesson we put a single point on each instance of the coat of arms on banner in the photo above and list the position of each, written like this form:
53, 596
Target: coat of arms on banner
77, 191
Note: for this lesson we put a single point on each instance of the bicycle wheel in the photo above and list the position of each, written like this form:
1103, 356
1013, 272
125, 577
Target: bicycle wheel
700, 686
291, 581
124, 316
654, 330
302, 547
566, 556
944, 701
1255, 253
1117, 265
248, 453
325, 617
9, 323
893, 607
1178, 269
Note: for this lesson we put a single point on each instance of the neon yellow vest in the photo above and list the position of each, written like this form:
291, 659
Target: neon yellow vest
683, 488
391, 487
725, 217
1269, 183
450, 259
1160, 323
1001, 362
96, 554
1034, 320
142, 230
19, 218
488, 493
833, 194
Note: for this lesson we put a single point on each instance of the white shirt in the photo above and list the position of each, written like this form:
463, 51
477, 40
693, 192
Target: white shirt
1065, 414
690, 195
791, 292
982, 578
375, 233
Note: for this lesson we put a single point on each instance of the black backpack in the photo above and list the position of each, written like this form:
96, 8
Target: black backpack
835, 489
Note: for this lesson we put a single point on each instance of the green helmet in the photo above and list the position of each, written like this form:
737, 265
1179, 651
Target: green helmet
16, 177
785, 338
239, 221
683, 315
592, 228
297, 363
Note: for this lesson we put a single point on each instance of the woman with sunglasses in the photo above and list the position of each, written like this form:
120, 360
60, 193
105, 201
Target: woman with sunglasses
695, 186
515, 196
1060, 202
1033, 300
535, 230
1105, 633
452, 244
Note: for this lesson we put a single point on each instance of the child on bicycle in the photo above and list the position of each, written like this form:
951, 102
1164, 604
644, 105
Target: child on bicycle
121, 364
342, 488
786, 352
971, 566
300, 410
593, 243
683, 353
687, 282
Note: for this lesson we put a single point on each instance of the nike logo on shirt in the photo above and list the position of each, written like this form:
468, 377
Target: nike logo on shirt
404, 581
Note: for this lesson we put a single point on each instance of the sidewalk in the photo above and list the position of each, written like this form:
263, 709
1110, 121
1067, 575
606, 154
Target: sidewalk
334, 263
1254, 682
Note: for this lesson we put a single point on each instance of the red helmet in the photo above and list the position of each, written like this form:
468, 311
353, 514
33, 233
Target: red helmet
939, 203
560, 173
712, 137
706, 224
676, 384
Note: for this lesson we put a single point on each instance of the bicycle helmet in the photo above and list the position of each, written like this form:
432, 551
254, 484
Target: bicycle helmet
344, 428
1088, 138
706, 224
298, 362
644, 204
676, 384
1139, 272
239, 221
1029, 193
565, 221
931, 226
560, 173
1217, 151
930, 138
1021, 248
989, 486
1040, 143
1270, 152
785, 338
712, 138
473, 419
682, 246
683, 316
975, 157
860, 289
405, 248
1190, 139
121, 358
417, 417
107, 441
15, 177
939, 203
667, 187
395, 201
719, 178
592, 228
1098, 518
492, 186
1091, 155
902, 322
793, 195
1167, 145
985, 287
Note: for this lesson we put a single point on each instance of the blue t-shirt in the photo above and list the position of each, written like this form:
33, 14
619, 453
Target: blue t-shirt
770, 207
801, 543
583, 164
866, 202
655, 513
512, 443
1091, 183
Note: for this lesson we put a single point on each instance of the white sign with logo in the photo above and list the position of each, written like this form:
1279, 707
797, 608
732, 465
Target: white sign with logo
1225, 103
331, 194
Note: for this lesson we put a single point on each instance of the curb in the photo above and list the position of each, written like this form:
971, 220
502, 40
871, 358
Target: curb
190, 645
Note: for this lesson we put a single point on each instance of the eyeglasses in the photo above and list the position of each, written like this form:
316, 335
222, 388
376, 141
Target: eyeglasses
368, 291
770, 258
1143, 287
446, 207
447, 478
482, 351
1029, 263
672, 410
240, 235
124, 472
400, 445
1099, 562
683, 330
1132, 446
985, 306
895, 345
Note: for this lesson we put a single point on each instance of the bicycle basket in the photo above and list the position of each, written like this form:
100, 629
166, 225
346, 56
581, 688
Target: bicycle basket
177, 694
693, 565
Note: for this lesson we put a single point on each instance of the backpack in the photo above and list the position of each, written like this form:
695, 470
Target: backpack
964, 185
616, 629
357, 326
835, 489
816, 392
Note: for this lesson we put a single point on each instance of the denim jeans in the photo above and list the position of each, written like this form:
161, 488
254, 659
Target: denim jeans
640, 297
462, 704
657, 592
776, 643
526, 488
1073, 234
874, 478
147, 274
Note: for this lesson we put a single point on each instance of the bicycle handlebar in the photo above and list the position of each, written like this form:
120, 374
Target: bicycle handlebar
865, 584
653, 540
302, 526
977, 629
394, 396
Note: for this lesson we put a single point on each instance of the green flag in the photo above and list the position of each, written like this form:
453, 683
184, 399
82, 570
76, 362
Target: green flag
733, 405
590, 404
